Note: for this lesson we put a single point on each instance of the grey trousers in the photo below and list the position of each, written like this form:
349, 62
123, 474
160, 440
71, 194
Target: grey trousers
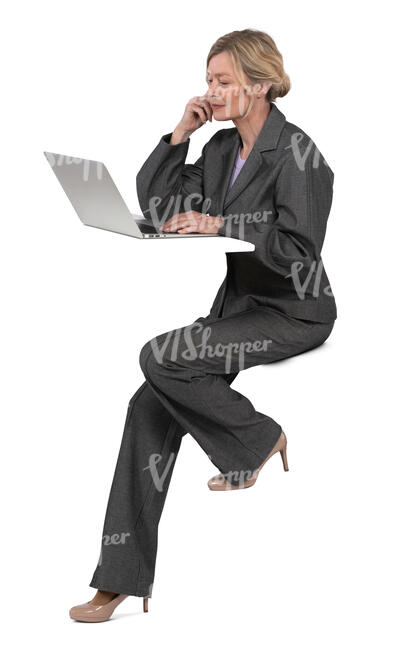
188, 374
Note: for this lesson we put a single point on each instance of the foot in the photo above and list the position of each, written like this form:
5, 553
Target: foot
99, 609
247, 479
102, 597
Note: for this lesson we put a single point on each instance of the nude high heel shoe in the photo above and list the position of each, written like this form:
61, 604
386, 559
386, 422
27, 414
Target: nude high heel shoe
219, 482
90, 613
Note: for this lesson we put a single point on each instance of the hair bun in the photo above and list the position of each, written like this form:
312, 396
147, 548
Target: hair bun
284, 85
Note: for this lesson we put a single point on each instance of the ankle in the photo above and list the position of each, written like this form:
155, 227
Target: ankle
102, 597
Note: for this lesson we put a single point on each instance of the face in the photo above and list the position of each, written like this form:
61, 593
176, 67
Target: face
229, 99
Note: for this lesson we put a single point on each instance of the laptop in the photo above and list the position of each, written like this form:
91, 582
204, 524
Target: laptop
97, 201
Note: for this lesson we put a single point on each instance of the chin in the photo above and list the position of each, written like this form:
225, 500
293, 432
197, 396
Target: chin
224, 117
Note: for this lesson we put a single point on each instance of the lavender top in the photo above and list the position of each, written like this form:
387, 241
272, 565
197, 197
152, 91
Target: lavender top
239, 162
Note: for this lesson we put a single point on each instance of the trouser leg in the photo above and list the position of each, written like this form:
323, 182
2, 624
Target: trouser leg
186, 368
187, 393
149, 447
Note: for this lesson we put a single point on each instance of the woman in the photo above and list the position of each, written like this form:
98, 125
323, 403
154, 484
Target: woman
263, 181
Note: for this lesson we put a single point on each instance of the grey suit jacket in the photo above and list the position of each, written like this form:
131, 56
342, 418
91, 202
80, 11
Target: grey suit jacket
280, 202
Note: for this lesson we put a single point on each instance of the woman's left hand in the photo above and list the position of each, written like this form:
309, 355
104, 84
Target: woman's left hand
192, 221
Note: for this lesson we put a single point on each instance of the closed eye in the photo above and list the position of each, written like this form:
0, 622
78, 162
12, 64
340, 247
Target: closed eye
223, 83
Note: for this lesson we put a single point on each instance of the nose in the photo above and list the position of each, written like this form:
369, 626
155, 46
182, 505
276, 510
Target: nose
211, 94
211, 88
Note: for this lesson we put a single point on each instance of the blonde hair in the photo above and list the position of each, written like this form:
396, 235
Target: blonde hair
254, 54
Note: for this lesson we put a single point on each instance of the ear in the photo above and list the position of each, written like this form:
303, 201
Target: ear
264, 90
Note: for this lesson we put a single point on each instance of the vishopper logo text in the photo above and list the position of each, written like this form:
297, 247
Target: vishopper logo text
300, 158
114, 539
158, 479
233, 477
231, 352
87, 166
243, 91
242, 219
178, 205
237, 478
301, 287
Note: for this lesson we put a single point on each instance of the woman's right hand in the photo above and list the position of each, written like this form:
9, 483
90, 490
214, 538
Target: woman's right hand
197, 112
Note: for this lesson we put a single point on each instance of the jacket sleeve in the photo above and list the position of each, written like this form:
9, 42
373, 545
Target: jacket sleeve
166, 185
302, 201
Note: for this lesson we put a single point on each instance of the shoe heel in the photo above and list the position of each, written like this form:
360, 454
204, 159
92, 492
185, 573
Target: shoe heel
145, 603
284, 459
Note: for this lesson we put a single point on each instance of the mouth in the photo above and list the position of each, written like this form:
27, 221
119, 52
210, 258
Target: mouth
217, 106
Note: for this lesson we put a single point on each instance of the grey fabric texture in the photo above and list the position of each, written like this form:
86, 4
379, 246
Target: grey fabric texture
274, 303
280, 202
188, 389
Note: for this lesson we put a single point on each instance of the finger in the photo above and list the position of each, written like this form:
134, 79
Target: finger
200, 112
193, 225
174, 222
166, 226
188, 224
173, 219
203, 101
182, 219
187, 229
170, 228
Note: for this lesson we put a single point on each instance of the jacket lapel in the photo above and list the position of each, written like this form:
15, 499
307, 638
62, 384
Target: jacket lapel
227, 166
248, 171
266, 140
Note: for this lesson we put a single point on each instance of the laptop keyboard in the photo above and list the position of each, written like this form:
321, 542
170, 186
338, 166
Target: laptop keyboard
146, 228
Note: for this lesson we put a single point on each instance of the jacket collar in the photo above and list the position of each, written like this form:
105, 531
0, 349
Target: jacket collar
269, 135
267, 140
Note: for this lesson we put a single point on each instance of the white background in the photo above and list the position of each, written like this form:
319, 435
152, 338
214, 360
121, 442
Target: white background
304, 558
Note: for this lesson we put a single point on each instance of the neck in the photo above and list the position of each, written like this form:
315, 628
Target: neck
249, 127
